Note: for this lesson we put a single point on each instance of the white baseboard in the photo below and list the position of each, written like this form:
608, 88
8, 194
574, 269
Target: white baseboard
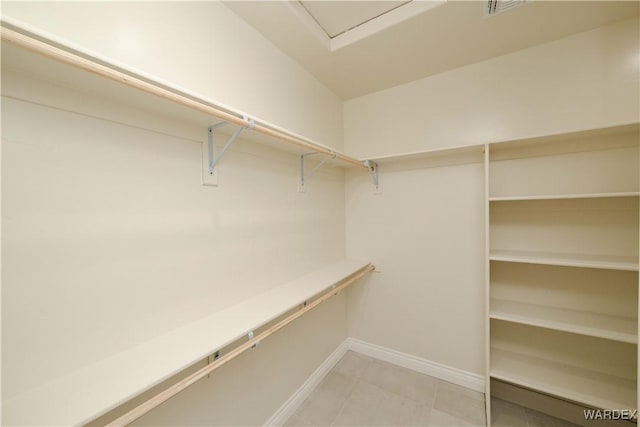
299, 396
424, 366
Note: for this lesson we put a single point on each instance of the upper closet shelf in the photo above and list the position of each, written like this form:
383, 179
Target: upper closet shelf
594, 139
475, 150
609, 262
87, 393
53, 60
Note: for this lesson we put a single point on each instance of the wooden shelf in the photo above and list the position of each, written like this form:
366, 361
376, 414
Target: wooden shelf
89, 392
565, 196
568, 382
610, 262
579, 322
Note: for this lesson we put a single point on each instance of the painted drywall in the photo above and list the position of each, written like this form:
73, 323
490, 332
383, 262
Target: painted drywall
109, 237
202, 46
425, 235
425, 232
588, 80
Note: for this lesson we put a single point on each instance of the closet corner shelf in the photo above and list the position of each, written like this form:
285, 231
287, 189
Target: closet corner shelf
579, 322
89, 392
431, 154
565, 196
609, 262
581, 385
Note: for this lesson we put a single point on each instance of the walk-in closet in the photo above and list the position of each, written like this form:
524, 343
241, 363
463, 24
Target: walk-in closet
320, 213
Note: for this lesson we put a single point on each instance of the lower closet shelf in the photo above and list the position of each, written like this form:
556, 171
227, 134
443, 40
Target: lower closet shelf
93, 390
580, 322
611, 262
576, 384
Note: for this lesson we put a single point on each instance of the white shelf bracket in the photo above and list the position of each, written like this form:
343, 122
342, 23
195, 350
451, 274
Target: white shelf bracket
372, 167
306, 175
215, 159
250, 337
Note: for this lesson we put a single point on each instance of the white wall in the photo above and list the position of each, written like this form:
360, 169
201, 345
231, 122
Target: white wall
425, 235
201, 46
587, 80
109, 238
426, 231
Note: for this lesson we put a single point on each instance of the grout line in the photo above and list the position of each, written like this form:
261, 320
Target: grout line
344, 403
433, 402
346, 397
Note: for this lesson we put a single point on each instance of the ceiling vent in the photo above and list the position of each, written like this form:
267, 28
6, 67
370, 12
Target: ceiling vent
498, 6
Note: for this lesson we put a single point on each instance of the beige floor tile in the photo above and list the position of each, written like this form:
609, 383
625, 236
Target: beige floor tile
361, 391
395, 410
325, 403
369, 405
460, 402
295, 421
352, 364
444, 419
404, 382
358, 409
507, 414
423, 415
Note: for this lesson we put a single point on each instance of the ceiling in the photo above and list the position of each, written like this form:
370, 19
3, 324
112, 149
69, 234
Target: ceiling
337, 17
359, 47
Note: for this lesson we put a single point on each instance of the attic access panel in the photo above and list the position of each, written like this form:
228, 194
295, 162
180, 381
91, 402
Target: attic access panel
338, 17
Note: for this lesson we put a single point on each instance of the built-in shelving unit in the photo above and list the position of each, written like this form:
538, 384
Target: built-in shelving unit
91, 391
563, 265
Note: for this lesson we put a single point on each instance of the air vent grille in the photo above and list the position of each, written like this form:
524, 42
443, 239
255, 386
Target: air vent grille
499, 6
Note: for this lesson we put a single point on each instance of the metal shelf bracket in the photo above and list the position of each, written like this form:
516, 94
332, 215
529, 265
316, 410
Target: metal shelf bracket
306, 175
215, 159
372, 167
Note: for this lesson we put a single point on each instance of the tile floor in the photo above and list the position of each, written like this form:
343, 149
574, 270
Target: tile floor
361, 391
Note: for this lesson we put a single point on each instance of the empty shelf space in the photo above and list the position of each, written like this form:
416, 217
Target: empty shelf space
611, 262
565, 196
475, 150
89, 392
568, 382
602, 161
580, 322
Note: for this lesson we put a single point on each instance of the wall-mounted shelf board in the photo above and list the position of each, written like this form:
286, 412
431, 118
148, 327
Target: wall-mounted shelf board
578, 140
89, 392
610, 262
565, 196
26, 62
580, 322
572, 383
475, 149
